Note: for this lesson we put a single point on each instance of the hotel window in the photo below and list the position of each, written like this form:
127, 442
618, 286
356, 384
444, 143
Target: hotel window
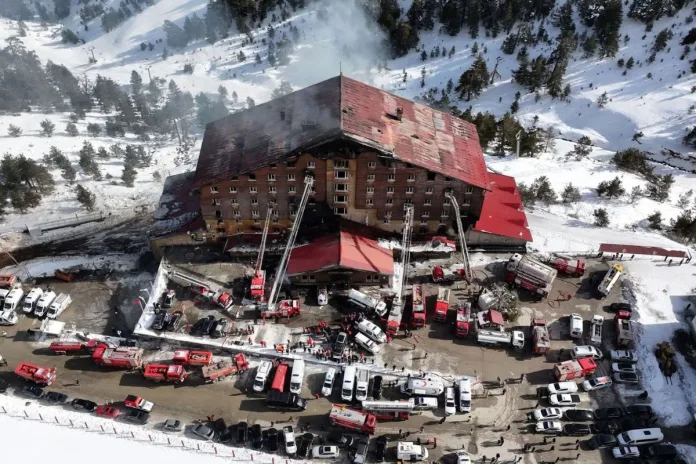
254, 201
238, 221
446, 202
466, 201
444, 214
339, 210
218, 213
252, 177
213, 190
431, 176
271, 178
340, 199
469, 190
235, 202
257, 222
369, 202
340, 187
428, 190
387, 214
290, 164
341, 164
425, 214
390, 201
371, 164
391, 177
408, 202
291, 189
273, 202
390, 190
274, 213
233, 189
236, 213
234, 178
370, 177
216, 202
311, 165
368, 278
252, 190
409, 190
411, 178
370, 190
240, 230
387, 220
273, 165
340, 174
291, 177
272, 189
427, 202
255, 212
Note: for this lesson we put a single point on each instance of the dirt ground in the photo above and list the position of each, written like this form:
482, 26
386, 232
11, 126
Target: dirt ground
107, 304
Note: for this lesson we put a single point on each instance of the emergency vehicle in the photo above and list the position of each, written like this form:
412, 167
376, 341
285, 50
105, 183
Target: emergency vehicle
442, 304
123, 358
193, 358
285, 308
461, 325
530, 274
39, 375
610, 278
165, 373
136, 402
569, 370
353, 419
390, 410
572, 267
418, 313
213, 373
540, 336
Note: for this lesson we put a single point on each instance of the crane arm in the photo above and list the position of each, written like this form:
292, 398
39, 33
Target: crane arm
262, 248
406, 248
462, 240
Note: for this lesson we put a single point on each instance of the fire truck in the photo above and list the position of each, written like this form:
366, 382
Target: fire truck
8, 281
572, 267
461, 325
540, 336
123, 358
399, 281
442, 304
74, 347
39, 375
530, 274
443, 275
578, 368
165, 373
193, 358
418, 317
258, 277
353, 419
390, 410
215, 372
624, 329
285, 308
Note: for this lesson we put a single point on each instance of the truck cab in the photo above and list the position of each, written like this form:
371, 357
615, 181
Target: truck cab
44, 302
136, 402
13, 299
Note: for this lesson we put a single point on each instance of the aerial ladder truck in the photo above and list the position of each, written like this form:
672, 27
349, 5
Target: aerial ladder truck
396, 313
439, 273
286, 308
258, 278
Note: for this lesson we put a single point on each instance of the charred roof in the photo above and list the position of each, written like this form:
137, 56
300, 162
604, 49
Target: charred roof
345, 109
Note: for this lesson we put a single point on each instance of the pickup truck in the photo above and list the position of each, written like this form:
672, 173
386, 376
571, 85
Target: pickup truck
136, 402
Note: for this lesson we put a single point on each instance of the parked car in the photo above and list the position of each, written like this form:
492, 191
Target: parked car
173, 425
359, 455
661, 451
381, 448
242, 433
158, 323
377, 387
107, 411
340, 345
609, 427
623, 367
325, 452
289, 440
137, 417
642, 410
223, 432
203, 431
270, 439
596, 383
576, 430
305, 447
463, 457
256, 437
601, 441
625, 452
562, 387
450, 403
626, 377
579, 415
608, 413
341, 439
632, 423
32, 391
175, 322
566, 399
549, 427
220, 328
83, 405
616, 307
547, 414
55, 398
203, 326
628, 356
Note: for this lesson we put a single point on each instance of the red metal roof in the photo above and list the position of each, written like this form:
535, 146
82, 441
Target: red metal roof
345, 250
502, 212
641, 250
343, 108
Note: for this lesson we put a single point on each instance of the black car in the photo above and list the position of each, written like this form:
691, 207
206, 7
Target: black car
159, 322
631, 423
83, 405
661, 452
55, 398
377, 387
608, 413
137, 417
270, 439
304, 449
616, 307
340, 345
579, 415
3, 386
640, 410
576, 430
223, 432
381, 448
341, 439
32, 391
609, 428
175, 321
203, 325
256, 437
242, 433
601, 441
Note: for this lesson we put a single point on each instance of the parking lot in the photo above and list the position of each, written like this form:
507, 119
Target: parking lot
500, 404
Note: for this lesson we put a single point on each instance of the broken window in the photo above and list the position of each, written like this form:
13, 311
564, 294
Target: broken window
213, 189
252, 177
341, 164
216, 202
371, 164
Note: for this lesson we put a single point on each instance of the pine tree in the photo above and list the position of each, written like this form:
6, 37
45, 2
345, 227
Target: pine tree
176, 36
660, 187
85, 197
655, 220
71, 129
611, 189
128, 176
608, 27
543, 191
87, 162
601, 218
473, 80
47, 127
661, 40
14, 131
424, 55
94, 129
602, 100
514, 108
136, 83
103, 154
571, 194
563, 19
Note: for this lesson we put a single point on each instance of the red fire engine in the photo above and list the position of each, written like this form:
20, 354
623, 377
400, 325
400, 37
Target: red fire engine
37, 374
165, 373
442, 305
461, 327
258, 285
285, 308
123, 358
74, 347
540, 335
7, 280
579, 368
218, 371
353, 419
573, 267
193, 358
624, 329
441, 274
418, 317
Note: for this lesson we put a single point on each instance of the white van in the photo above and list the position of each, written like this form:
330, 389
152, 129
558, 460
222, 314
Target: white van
422, 387
586, 351
409, 451
370, 329
31, 300
297, 376
13, 299
425, 403
44, 303
639, 437
262, 376
348, 384
8, 317
58, 305
3, 294
362, 381
450, 402
465, 394
367, 344
327, 386
575, 325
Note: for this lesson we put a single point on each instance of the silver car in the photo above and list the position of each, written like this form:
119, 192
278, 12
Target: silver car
203, 431
172, 425
325, 452
624, 356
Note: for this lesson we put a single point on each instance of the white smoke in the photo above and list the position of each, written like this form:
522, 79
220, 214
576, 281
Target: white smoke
335, 36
